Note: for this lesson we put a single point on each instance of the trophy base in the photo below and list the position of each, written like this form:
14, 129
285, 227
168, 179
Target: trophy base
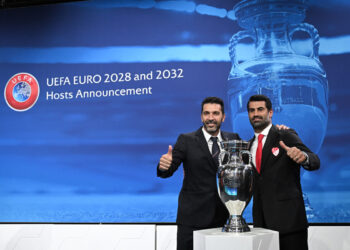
236, 224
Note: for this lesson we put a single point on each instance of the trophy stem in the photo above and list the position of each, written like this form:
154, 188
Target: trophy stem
236, 224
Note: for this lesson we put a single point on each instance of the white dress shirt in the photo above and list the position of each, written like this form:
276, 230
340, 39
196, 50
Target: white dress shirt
255, 142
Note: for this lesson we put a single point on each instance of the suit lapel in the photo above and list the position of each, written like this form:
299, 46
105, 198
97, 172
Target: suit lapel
203, 144
251, 143
271, 140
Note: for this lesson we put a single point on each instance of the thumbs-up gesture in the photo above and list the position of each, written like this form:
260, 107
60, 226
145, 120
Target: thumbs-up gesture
294, 153
166, 159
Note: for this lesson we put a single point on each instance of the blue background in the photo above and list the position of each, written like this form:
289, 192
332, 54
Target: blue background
94, 160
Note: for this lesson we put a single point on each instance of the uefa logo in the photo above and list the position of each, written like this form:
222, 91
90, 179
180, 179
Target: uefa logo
21, 91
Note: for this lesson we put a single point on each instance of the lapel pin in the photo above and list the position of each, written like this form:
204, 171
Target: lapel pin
275, 151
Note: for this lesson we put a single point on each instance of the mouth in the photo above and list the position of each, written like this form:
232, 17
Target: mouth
211, 124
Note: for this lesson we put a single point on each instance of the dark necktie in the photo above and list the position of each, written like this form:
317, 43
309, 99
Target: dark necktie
215, 150
259, 153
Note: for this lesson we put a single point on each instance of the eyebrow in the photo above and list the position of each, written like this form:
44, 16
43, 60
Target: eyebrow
261, 107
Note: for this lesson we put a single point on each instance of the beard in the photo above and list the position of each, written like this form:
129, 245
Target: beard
213, 129
260, 124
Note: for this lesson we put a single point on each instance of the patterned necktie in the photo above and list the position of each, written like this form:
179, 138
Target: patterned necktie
259, 153
215, 150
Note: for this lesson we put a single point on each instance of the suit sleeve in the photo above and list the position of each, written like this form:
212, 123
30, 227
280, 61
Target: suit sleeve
179, 155
291, 139
237, 137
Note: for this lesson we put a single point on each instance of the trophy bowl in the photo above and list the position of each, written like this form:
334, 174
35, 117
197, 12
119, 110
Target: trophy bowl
235, 182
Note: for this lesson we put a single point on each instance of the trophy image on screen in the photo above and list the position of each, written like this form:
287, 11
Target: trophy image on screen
235, 182
291, 75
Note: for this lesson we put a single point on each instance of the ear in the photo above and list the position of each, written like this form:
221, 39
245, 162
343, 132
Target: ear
270, 113
223, 117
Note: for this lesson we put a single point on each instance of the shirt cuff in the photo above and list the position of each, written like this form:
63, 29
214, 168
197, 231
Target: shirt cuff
306, 162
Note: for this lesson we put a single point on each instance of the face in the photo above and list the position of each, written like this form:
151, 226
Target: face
212, 117
259, 115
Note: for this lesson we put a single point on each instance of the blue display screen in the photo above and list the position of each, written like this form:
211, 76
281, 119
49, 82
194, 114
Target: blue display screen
94, 92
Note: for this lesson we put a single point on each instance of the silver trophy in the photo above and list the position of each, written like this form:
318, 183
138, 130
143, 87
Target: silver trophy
235, 182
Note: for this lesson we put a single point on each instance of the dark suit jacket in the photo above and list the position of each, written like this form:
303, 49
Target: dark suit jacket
278, 202
199, 203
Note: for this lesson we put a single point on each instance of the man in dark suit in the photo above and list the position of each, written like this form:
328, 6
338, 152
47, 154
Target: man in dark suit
199, 205
277, 154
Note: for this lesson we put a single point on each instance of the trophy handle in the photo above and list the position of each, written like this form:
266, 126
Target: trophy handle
224, 158
234, 42
243, 153
312, 31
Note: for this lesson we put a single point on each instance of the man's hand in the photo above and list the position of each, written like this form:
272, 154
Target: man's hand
166, 159
294, 153
282, 127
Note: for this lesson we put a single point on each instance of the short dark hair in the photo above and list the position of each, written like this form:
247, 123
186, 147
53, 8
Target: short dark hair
258, 98
216, 100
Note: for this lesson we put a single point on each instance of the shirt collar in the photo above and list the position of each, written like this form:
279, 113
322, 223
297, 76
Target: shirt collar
264, 132
207, 136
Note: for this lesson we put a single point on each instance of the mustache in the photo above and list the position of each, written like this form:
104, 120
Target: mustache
210, 122
260, 117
